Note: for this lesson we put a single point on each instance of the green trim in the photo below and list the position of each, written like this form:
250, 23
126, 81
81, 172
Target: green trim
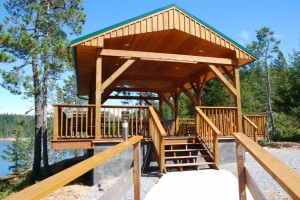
158, 10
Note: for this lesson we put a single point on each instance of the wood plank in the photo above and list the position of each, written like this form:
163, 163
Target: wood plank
49, 185
116, 74
154, 78
167, 57
287, 178
156, 90
223, 80
134, 97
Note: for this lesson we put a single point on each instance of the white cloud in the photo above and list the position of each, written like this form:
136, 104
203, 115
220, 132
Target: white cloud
244, 35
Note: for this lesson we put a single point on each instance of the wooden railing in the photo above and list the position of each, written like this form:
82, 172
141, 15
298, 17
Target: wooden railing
74, 122
78, 121
287, 178
111, 122
249, 128
49, 185
157, 134
208, 132
224, 118
260, 122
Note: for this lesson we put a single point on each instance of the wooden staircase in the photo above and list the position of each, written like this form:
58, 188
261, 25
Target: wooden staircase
182, 153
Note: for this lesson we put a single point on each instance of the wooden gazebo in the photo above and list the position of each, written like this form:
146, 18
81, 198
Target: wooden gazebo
165, 52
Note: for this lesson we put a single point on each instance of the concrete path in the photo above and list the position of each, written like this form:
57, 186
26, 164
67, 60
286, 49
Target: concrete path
207, 184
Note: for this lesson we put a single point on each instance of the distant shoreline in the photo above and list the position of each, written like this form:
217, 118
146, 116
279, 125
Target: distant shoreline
7, 139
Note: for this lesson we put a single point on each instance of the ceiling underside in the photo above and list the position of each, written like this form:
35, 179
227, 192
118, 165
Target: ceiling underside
151, 75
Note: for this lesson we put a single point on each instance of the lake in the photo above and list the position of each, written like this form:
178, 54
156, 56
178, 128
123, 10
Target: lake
4, 164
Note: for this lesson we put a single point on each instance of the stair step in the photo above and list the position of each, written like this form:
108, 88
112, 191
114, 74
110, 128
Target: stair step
188, 164
185, 157
183, 143
182, 157
184, 150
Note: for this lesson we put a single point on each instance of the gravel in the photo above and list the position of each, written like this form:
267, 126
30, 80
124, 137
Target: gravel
270, 188
290, 156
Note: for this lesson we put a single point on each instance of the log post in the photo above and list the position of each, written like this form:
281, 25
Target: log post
237, 99
240, 158
98, 96
136, 171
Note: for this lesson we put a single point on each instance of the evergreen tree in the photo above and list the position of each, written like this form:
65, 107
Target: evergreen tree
265, 47
37, 39
19, 153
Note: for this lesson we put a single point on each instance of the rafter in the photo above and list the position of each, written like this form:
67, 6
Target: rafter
163, 98
227, 72
189, 95
223, 80
167, 57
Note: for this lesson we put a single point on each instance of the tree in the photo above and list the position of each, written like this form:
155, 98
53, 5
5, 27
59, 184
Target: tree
38, 40
265, 47
20, 151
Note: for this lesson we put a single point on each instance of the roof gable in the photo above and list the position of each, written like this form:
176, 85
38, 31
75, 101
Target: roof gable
165, 18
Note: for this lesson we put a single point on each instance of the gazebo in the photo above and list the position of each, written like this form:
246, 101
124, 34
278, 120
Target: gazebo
164, 53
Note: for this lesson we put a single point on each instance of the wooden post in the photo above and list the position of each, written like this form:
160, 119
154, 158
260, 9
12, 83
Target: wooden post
136, 171
240, 157
161, 108
237, 99
216, 148
176, 99
98, 97
162, 154
55, 123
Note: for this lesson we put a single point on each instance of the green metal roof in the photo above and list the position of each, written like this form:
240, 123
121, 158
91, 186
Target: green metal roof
156, 11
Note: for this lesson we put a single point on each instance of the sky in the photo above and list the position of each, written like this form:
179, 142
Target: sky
237, 19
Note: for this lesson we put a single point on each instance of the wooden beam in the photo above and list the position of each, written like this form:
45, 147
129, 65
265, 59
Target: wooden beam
134, 97
189, 95
163, 98
176, 100
116, 74
167, 57
154, 78
155, 90
227, 72
223, 80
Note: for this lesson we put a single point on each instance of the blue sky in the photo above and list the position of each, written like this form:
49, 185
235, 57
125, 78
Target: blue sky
235, 18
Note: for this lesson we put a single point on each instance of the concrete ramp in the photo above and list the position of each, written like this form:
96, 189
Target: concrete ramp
207, 184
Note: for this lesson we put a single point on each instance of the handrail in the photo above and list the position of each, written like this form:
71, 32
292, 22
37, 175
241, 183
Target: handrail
209, 137
287, 178
157, 134
49, 185
250, 131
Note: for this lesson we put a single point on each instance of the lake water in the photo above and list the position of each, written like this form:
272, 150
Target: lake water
3, 163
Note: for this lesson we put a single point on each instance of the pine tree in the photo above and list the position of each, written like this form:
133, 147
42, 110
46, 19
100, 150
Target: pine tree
37, 39
19, 153
265, 47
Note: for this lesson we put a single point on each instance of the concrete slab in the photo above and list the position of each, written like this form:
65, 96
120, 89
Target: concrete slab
207, 184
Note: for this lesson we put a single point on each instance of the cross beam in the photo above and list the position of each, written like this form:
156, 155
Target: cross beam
167, 57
